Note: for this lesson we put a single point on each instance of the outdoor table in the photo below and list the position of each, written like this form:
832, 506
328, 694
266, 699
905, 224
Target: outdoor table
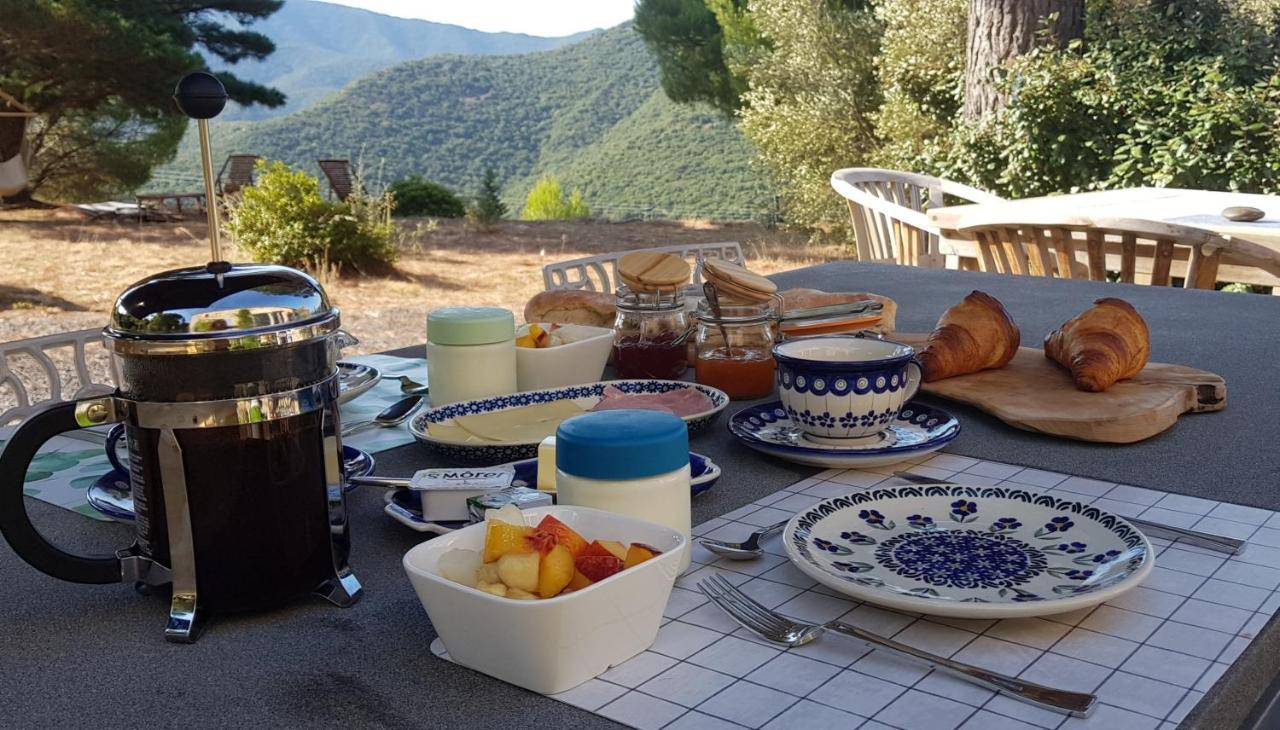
1194, 208
95, 655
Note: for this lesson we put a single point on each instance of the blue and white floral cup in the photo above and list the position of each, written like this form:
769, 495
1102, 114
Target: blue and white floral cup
845, 387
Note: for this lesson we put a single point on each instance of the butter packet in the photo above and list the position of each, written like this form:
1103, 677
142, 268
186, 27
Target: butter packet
522, 497
445, 492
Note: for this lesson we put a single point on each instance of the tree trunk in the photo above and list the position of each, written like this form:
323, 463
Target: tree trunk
1000, 30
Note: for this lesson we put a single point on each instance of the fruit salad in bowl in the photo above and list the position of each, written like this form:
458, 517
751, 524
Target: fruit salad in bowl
547, 598
555, 355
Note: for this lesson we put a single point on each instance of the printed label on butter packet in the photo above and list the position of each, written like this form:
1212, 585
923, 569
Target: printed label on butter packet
493, 477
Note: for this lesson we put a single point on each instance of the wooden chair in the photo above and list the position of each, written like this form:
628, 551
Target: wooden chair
887, 208
236, 173
600, 273
338, 173
1139, 251
59, 367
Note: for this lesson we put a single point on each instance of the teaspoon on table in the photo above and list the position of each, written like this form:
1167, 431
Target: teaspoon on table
408, 385
392, 415
745, 550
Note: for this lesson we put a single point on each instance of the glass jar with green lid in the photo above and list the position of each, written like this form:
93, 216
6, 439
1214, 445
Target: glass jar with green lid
471, 353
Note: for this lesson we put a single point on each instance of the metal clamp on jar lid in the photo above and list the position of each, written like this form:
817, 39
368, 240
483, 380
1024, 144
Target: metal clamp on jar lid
649, 301
470, 325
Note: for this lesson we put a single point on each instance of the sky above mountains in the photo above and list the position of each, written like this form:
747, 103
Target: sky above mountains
535, 17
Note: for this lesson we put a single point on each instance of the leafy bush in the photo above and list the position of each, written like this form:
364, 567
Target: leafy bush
283, 219
546, 202
1178, 93
415, 196
488, 207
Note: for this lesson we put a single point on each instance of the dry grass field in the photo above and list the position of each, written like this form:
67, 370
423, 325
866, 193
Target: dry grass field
62, 273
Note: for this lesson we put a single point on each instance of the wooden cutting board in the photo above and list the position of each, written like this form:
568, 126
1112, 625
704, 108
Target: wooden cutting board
1034, 393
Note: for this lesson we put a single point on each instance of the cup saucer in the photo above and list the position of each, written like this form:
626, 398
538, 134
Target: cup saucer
918, 429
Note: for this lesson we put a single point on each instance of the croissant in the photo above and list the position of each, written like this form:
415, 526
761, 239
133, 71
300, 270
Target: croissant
974, 335
1105, 343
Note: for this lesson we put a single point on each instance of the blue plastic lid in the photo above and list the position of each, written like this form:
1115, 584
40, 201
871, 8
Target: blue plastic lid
622, 444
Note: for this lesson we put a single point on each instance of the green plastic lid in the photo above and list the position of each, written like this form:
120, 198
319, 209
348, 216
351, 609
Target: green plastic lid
470, 325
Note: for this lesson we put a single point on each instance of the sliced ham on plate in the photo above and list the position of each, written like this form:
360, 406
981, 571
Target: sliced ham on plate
683, 402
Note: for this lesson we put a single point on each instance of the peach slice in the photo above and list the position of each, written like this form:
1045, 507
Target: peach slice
578, 582
564, 535
605, 548
555, 572
637, 554
597, 567
501, 538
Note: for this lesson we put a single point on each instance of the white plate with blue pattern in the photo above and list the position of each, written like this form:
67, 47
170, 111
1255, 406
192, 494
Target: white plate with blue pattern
586, 396
968, 552
917, 430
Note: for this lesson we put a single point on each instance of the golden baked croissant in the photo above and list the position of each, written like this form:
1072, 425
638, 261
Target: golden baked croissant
1105, 343
974, 335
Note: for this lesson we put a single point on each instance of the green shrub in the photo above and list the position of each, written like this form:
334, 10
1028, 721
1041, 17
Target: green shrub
488, 207
546, 202
283, 219
415, 196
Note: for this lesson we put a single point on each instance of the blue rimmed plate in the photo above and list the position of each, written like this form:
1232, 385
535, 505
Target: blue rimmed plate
355, 379
112, 496
918, 429
968, 552
405, 507
588, 395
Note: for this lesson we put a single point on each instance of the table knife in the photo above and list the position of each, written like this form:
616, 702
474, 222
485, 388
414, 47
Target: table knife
1220, 543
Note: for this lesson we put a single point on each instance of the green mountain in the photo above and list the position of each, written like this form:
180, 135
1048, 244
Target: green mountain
592, 113
322, 47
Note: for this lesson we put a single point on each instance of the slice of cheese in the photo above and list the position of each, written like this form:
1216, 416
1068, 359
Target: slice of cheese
526, 424
452, 433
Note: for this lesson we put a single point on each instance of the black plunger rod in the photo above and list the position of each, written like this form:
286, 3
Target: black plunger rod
201, 96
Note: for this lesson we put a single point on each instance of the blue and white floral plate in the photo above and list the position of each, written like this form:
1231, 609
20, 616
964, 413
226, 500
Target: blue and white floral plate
355, 379
584, 395
112, 495
968, 552
918, 429
405, 507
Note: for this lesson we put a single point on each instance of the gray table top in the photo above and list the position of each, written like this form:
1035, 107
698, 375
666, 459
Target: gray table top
94, 655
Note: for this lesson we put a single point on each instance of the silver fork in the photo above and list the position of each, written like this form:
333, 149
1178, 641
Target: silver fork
778, 629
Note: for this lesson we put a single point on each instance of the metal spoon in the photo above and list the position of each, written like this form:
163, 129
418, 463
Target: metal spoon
745, 550
408, 385
713, 301
392, 415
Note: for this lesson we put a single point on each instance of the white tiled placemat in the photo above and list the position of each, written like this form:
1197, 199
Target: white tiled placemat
1150, 655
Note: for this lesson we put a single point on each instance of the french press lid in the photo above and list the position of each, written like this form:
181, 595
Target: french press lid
219, 307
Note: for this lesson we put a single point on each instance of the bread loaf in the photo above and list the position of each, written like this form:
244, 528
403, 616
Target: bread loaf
569, 306
812, 298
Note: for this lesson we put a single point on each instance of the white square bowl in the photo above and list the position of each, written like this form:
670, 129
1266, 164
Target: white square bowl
553, 644
573, 363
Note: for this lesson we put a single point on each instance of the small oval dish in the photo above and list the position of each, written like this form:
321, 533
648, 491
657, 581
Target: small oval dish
581, 358
968, 552
584, 396
405, 507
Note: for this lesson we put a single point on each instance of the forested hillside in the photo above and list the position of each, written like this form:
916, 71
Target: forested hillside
591, 113
322, 47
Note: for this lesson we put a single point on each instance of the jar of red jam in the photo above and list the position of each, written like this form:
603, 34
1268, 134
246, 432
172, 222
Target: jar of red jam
650, 333
735, 350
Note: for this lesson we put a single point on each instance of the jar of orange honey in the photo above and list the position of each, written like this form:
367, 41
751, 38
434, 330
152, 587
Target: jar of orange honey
734, 349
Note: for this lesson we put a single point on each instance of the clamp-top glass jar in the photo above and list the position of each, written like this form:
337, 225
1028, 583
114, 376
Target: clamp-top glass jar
650, 334
735, 349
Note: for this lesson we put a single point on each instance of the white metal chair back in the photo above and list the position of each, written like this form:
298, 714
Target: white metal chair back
600, 273
1135, 250
887, 209
59, 367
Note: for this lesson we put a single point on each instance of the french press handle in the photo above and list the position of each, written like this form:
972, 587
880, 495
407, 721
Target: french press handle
16, 525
